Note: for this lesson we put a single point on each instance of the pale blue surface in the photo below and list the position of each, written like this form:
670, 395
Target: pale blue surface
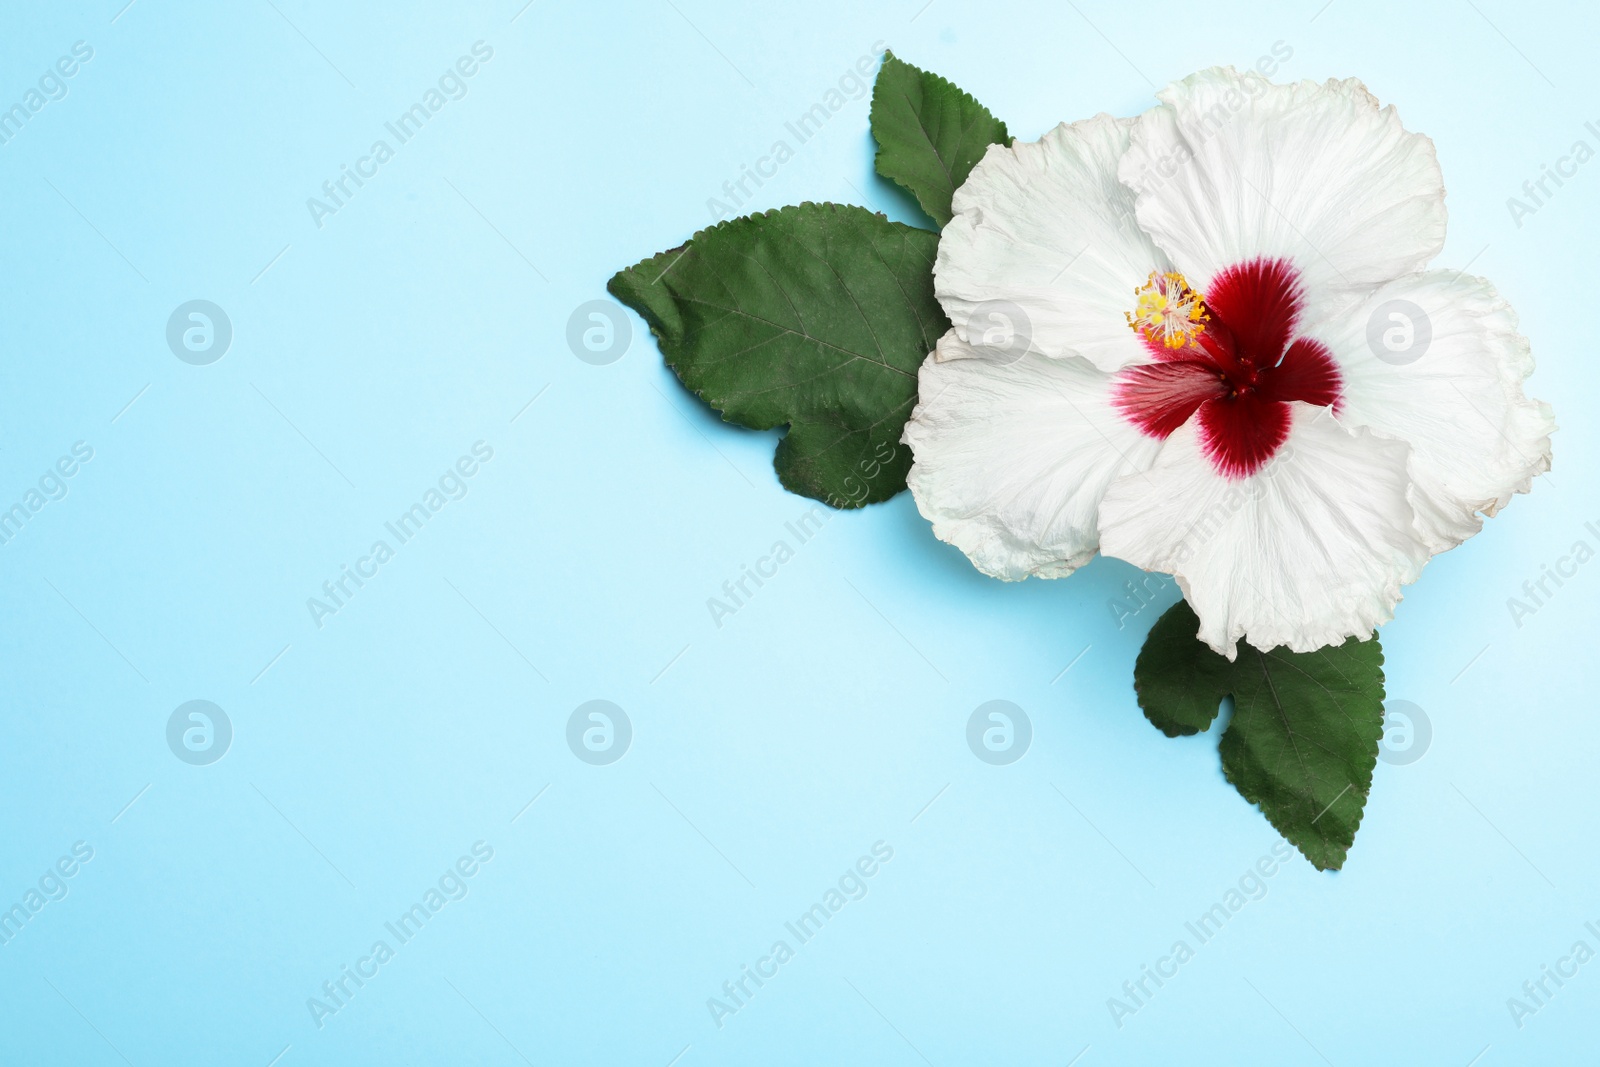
770, 753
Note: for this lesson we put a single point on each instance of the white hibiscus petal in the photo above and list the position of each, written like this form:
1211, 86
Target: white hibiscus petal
1045, 229
1308, 551
1436, 360
1232, 168
1011, 459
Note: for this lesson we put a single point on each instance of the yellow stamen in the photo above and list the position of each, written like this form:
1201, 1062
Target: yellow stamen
1167, 310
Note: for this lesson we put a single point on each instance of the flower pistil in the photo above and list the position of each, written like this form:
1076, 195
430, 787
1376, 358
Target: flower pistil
1168, 311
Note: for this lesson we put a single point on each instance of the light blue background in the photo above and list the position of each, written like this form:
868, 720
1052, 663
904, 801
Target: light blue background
770, 753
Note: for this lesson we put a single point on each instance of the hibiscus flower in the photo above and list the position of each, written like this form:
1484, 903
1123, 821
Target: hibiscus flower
1204, 341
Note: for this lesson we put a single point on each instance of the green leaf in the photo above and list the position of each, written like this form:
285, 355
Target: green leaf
1180, 681
1304, 736
929, 134
816, 317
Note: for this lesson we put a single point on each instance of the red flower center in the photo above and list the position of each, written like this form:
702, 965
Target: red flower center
1230, 358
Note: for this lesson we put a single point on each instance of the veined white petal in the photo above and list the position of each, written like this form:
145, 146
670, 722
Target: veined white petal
1231, 168
1311, 549
1436, 360
1011, 458
1045, 228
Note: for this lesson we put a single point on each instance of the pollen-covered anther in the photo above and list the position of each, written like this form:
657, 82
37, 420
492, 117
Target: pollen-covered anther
1168, 311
